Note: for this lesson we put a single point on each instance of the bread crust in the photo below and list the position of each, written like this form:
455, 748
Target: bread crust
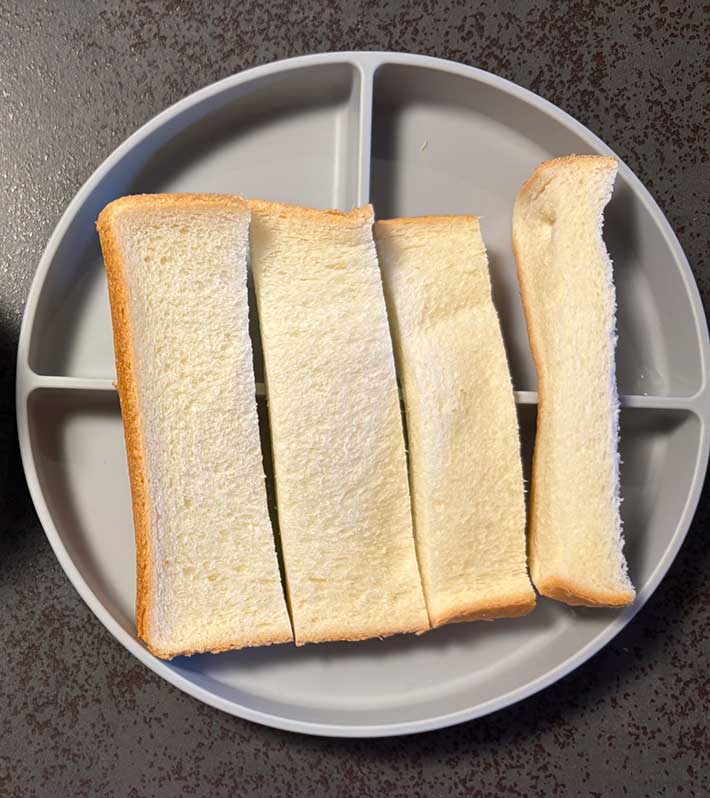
128, 390
168, 654
513, 606
557, 587
367, 634
357, 217
562, 589
443, 221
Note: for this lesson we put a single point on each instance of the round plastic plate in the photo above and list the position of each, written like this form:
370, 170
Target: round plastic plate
413, 135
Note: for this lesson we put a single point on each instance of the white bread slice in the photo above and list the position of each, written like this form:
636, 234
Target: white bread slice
464, 450
337, 439
568, 292
208, 576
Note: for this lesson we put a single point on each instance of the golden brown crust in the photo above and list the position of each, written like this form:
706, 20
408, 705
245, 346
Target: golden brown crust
576, 595
513, 606
126, 382
128, 396
366, 634
352, 219
166, 201
167, 654
410, 221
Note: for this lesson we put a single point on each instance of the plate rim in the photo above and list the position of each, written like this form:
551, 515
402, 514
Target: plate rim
367, 63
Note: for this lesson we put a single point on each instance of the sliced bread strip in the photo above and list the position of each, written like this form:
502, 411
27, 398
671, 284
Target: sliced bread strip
208, 576
568, 292
464, 450
337, 438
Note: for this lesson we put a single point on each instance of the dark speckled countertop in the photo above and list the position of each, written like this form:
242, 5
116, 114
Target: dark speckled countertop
80, 716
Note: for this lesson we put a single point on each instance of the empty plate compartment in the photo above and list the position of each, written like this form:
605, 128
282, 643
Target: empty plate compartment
445, 144
292, 137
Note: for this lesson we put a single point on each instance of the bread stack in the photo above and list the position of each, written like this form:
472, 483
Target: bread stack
371, 543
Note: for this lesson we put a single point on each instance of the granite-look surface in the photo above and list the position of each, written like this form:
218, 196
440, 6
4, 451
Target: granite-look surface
80, 716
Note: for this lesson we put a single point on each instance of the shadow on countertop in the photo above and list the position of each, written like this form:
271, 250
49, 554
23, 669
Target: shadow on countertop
16, 510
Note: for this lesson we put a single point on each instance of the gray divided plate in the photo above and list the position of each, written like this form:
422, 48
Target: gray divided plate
413, 135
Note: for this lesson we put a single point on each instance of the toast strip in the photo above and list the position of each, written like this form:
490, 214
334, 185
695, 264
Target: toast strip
464, 449
568, 292
336, 428
207, 572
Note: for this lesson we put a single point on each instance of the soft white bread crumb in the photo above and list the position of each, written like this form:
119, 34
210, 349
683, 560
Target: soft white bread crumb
208, 577
568, 292
464, 450
337, 439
